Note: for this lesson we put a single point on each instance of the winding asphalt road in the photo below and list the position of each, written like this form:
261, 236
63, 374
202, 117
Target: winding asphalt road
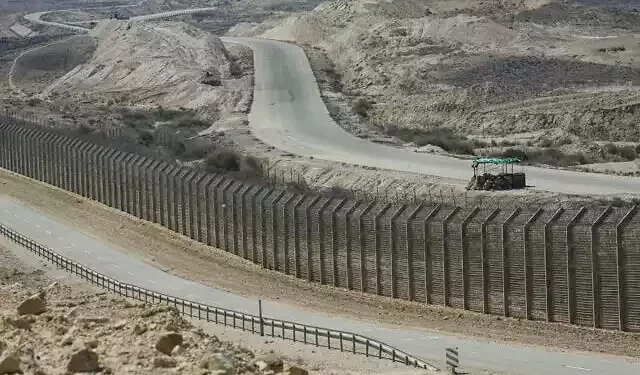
288, 113
115, 262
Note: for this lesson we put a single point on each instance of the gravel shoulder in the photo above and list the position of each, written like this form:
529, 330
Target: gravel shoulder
197, 262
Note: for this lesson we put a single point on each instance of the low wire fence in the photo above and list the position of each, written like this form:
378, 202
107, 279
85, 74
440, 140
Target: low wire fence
302, 333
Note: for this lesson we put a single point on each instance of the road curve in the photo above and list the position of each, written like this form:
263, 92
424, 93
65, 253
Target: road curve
115, 263
288, 113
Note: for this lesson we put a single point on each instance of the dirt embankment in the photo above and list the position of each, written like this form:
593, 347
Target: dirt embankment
480, 77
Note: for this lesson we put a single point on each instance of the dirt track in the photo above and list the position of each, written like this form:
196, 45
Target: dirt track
210, 266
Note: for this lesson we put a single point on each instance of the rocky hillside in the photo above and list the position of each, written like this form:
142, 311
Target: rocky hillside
497, 72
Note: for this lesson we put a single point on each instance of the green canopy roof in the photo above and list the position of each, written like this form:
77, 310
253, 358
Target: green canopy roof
496, 160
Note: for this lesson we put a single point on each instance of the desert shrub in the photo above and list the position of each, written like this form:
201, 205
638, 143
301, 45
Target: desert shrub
227, 160
197, 152
628, 152
443, 138
146, 138
32, 102
177, 148
550, 156
251, 166
362, 107
625, 152
611, 148
84, 129
545, 142
223, 159
514, 153
145, 119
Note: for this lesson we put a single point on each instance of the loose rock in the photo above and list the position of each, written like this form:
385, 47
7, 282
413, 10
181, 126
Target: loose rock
295, 370
84, 360
34, 305
168, 341
10, 363
164, 362
269, 363
178, 350
218, 364
139, 329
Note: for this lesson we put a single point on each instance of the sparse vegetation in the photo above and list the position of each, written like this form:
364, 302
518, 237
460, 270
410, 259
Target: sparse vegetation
549, 156
625, 152
227, 160
145, 119
443, 138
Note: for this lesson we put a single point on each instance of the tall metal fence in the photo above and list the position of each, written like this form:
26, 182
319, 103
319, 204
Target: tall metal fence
575, 265
264, 326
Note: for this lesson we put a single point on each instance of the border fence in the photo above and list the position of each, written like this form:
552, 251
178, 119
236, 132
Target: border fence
321, 337
578, 265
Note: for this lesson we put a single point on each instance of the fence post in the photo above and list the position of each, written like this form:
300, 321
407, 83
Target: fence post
285, 231
445, 255
622, 308
195, 229
219, 206
320, 242
528, 277
483, 254
377, 230
243, 219
296, 237
361, 233
428, 289
595, 268
234, 216
547, 259
334, 240
571, 272
348, 238
506, 285
465, 255
393, 237
274, 231
409, 250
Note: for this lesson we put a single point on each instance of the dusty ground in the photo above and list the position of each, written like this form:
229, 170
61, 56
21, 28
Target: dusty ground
479, 77
204, 264
123, 332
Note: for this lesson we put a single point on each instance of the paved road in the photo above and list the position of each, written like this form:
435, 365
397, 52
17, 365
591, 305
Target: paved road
289, 114
114, 262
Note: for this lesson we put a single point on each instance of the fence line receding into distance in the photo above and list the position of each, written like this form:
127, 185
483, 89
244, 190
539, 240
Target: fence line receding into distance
576, 265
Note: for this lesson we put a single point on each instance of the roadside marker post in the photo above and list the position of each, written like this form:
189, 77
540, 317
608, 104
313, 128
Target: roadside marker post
452, 360
260, 316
